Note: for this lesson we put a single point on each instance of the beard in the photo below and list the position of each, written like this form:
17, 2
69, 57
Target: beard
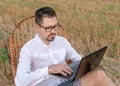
51, 37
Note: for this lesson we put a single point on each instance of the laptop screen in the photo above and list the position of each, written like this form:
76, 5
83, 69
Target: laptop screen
90, 62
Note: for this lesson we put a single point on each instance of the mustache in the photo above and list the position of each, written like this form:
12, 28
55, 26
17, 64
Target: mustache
52, 34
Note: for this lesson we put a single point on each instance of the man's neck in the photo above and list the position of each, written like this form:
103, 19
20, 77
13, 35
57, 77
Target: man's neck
45, 41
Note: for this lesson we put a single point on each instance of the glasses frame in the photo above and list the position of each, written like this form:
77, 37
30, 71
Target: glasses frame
50, 28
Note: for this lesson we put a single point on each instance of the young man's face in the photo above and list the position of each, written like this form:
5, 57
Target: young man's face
45, 34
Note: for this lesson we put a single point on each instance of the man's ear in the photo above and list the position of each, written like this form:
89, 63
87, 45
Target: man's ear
36, 26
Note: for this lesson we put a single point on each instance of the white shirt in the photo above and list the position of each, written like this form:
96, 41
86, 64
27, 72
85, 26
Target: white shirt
36, 56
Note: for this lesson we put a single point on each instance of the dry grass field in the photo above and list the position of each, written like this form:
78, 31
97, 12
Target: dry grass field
90, 24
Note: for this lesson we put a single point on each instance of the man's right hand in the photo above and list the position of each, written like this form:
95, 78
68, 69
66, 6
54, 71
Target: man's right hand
60, 68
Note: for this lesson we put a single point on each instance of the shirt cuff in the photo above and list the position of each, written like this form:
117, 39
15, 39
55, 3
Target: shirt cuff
45, 73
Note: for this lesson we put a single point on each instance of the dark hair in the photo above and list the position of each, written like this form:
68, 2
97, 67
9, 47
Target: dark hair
47, 12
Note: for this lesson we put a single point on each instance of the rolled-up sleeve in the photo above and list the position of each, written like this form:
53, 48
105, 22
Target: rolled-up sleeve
24, 75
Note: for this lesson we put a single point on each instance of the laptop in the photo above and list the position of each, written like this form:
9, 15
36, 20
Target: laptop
87, 63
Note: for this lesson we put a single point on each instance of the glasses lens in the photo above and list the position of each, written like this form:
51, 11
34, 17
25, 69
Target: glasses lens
56, 27
48, 29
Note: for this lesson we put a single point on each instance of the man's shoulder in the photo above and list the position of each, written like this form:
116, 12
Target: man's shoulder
60, 38
29, 43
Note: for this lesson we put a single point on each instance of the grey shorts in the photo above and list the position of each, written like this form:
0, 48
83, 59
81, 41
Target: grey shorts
71, 83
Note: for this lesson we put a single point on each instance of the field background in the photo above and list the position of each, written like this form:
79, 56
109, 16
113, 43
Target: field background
90, 24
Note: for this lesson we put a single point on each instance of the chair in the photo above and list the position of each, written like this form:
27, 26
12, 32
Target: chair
23, 32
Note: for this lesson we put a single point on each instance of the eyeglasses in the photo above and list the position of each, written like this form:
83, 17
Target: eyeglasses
50, 28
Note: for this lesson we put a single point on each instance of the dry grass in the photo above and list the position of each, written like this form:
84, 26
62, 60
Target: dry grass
90, 24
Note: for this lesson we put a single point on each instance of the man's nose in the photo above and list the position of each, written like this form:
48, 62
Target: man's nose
53, 30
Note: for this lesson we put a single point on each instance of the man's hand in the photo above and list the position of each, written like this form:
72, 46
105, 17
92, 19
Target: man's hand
60, 68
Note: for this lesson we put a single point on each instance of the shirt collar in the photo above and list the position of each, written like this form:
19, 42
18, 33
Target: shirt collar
41, 42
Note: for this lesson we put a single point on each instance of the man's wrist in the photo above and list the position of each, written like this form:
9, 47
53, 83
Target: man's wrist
49, 69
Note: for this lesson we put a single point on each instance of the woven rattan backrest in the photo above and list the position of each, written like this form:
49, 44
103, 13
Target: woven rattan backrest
23, 32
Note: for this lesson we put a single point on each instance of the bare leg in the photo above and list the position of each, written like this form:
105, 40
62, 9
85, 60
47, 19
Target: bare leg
96, 78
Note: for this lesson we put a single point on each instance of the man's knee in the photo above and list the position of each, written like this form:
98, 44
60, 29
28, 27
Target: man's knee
93, 77
100, 73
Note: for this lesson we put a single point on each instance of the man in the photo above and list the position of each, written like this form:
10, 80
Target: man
46, 54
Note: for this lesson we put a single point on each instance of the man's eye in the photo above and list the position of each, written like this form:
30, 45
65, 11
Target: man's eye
48, 28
